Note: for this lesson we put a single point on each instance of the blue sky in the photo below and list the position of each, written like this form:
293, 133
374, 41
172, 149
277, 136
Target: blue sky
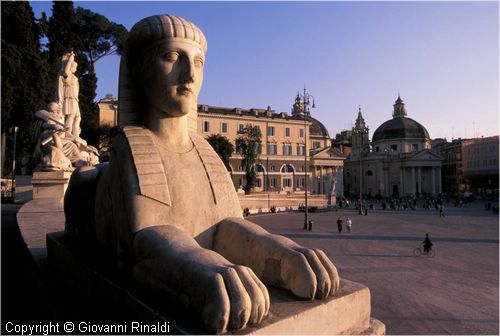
442, 57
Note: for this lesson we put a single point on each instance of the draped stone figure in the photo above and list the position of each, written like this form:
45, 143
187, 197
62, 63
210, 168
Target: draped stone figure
55, 150
68, 89
165, 206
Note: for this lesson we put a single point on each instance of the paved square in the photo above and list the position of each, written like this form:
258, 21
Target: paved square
455, 292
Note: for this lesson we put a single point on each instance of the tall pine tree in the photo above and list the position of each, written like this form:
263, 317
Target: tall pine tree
24, 78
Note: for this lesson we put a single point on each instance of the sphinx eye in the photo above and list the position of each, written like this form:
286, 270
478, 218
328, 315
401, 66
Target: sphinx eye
199, 62
171, 56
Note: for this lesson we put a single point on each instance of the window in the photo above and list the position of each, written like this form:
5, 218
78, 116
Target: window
241, 128
301, 132
270, 131
272, 149
301, 182
300, 149
287, 149
272, 182
316, 144
257, 183
414, 147
287, 131
206, 126
273, 168
259, 149
377, 149
394, 148
224, 128
287, 183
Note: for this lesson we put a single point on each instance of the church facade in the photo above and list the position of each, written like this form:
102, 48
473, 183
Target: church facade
398, 161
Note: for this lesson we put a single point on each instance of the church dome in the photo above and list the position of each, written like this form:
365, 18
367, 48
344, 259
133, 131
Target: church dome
400, 126
316, 127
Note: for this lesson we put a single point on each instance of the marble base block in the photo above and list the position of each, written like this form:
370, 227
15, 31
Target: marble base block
50, 184
347, 312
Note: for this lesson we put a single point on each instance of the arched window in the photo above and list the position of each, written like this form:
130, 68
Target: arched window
287, 168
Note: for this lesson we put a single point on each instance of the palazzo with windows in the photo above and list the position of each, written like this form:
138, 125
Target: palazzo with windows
281, 156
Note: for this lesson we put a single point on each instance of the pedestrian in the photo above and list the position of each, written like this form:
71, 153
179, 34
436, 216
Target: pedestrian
339, 225
310, 225
349, 224
441, 211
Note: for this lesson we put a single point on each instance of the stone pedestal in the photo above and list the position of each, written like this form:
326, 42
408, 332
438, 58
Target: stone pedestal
348, 312
50, 184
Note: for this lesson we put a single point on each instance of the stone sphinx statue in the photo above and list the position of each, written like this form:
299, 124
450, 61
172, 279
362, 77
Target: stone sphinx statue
165, 206
57, 150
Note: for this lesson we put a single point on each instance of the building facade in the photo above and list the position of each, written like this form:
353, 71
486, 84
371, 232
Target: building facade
283, 163
470, 165
397, 162
480, 165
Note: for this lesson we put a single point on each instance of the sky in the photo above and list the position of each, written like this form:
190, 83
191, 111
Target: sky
441, 57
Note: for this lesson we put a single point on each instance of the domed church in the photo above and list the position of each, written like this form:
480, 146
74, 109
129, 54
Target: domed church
397, 162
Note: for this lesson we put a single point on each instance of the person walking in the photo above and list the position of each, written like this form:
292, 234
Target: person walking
427, 243
349, 224
441, 210
339, 224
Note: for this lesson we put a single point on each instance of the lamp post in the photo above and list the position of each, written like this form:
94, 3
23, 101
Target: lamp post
360, 133
306, 102
12, 186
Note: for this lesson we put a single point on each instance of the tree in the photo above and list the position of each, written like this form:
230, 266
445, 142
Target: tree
91, 36
99, 37
247, 144
222, 146
24, 76
62, 31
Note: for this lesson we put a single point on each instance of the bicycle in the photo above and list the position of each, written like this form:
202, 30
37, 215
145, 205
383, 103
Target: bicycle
417, 252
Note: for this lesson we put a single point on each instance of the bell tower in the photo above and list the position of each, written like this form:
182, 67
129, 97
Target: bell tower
298, 106
360, 134
399, 108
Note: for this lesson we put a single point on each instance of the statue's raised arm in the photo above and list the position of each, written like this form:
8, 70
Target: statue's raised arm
166, 202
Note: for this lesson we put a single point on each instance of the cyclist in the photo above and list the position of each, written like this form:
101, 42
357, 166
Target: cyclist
427, 243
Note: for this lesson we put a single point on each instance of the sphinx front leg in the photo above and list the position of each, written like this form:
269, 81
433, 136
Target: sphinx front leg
225, 295
277, 261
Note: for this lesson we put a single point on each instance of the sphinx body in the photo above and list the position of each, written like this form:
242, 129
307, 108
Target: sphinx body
165, 207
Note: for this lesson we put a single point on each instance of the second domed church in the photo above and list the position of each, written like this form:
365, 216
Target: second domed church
397, 162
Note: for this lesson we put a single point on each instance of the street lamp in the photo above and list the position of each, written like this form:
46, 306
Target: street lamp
306, 101
360, 133
12, 186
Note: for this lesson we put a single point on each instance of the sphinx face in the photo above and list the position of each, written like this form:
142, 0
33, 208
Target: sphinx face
172, 81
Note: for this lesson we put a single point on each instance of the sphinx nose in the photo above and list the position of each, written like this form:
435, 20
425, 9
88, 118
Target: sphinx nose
188, 73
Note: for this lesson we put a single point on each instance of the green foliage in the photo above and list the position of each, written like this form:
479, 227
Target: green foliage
247, 145
62, 31
100, 37
30, 71
24, 75
222, 146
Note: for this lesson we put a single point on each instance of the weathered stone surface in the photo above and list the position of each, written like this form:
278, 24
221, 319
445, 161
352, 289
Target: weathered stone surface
50, 184
347, 312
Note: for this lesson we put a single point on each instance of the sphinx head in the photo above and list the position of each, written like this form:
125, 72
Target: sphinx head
163, 59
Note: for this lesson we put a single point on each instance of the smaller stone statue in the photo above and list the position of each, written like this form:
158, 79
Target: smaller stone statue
67, 94
57, 150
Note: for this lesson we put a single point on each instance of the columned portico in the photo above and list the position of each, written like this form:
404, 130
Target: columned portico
439, 180
412, 180
419, 181
401, 181
433, 180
